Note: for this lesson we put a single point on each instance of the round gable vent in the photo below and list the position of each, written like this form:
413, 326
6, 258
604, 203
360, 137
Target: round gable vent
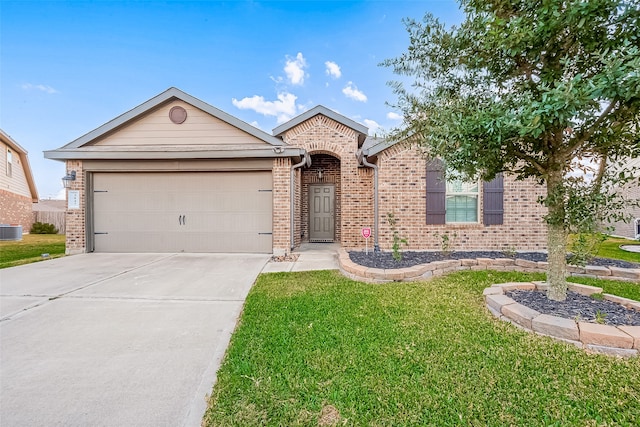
178, 115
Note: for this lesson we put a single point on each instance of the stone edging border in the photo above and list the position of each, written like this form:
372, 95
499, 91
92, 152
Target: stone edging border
438, 268
623, 341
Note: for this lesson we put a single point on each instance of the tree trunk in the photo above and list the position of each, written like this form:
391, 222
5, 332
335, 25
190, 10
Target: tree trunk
556, 239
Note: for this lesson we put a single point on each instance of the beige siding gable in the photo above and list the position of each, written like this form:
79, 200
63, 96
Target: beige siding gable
17, 182
199, 129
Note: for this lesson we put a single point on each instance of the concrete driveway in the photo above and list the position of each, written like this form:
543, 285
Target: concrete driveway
117, 339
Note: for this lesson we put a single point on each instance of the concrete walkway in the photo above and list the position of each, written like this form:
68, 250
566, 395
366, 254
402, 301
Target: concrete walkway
117, 339
311, 256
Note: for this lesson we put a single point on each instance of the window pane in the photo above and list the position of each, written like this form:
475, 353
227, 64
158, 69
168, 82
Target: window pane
457, 186
462, 208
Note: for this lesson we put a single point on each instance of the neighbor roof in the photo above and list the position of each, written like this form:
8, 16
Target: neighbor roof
24, 160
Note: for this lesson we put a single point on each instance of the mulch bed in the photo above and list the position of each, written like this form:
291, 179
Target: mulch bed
578, 307
385, 260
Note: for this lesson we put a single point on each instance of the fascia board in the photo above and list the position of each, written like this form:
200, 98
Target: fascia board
169, 94
62, 154
325, 112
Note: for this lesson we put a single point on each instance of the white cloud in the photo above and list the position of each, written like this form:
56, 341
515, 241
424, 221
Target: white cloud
42, 88
372, 125
284, 108
295, 69
394, 116
333, 69
351, 91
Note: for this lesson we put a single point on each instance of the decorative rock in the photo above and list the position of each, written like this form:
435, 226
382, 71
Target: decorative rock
541, 286
556, 327
611, 351
629, 273
497, 301
626, 302
597, 270
634, 332
584, 289
494, 290
511, 286
526, 263
604, 335
520, 314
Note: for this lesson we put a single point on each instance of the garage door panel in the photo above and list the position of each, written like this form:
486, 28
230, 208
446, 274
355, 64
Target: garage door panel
183, 212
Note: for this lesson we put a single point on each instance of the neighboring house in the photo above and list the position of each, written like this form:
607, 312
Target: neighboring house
176, 174
17, 187
631, 191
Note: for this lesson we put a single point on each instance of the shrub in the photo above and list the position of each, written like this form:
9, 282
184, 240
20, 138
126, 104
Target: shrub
43, 228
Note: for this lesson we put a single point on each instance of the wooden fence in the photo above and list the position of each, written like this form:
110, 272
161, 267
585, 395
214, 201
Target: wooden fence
56, 218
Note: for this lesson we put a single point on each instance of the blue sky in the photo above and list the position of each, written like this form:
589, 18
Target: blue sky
68, 67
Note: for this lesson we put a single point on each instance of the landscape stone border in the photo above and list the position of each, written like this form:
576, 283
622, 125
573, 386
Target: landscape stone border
623, 341
438, 268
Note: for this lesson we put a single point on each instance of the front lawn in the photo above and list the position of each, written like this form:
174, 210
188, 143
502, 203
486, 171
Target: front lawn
610, 248
30, 249
315, 348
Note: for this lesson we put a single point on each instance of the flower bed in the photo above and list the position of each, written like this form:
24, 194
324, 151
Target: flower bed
437, 268
618, 340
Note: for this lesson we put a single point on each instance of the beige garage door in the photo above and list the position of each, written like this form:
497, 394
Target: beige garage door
183, 212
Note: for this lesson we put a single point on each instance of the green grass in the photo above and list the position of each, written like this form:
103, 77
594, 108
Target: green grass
410, 354
610, 248
30, 249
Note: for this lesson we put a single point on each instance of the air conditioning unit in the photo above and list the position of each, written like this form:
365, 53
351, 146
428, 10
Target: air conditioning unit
10, 232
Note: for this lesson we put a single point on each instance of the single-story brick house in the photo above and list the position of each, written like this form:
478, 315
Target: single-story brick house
176, 174
17, 187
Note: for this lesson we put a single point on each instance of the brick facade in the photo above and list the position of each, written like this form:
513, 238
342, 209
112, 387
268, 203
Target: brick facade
281, 206
16, 210
76, 231
332, 146
402, 192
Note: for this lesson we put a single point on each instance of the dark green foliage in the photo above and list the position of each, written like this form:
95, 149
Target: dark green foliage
43, 228
532, 88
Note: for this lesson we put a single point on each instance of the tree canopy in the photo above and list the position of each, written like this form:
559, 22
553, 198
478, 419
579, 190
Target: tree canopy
530, 88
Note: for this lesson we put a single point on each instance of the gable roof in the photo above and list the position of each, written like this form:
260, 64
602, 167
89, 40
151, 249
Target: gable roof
24, 161
82, 148
351, 124
166, 96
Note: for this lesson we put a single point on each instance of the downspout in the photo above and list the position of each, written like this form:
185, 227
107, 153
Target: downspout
363, 158
306, 160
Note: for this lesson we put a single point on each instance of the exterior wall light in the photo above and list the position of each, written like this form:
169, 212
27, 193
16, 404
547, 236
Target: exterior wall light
66, 180
320, 173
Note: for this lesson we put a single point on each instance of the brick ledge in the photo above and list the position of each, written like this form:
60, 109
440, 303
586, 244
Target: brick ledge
438, 268
621, 341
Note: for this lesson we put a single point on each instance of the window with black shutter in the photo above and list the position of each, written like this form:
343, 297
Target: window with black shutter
436, 192
492, 201
461, 203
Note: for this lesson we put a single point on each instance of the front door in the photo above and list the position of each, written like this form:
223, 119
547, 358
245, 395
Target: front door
321, 213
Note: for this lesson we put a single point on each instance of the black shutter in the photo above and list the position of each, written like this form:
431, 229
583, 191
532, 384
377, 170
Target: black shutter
493, 201
436, 192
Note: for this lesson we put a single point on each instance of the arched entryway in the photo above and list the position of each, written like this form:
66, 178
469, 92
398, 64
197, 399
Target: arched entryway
320, 212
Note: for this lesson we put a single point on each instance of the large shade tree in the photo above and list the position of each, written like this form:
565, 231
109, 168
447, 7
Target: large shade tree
528, 87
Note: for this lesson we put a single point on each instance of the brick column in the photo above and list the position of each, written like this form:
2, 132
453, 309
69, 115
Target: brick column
281, 206
76, 237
